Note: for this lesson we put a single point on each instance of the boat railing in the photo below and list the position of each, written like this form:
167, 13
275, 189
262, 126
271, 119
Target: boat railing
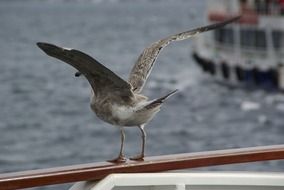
231, 52
187, 181
97, 171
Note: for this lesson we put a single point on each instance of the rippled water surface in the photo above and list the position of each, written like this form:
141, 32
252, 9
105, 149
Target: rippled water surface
45, 119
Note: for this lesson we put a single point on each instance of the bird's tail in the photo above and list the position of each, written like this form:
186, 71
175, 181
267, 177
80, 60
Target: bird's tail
162, 99
159, 101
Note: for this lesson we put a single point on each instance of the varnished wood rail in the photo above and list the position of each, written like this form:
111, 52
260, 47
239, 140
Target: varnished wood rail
97, 171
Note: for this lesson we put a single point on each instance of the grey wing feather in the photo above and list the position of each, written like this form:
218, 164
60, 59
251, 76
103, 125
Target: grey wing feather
146, 60
100, 77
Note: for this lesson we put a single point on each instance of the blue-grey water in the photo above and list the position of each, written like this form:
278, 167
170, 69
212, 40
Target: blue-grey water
45, 119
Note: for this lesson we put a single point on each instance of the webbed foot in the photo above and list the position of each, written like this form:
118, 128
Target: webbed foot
119, 159
138, 158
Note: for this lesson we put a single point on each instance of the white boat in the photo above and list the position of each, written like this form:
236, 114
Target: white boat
249, 52
187, 181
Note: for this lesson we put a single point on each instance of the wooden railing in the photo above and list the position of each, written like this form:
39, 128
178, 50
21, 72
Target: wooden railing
97, 171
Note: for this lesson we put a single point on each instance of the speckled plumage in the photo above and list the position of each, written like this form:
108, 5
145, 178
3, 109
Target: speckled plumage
115, 100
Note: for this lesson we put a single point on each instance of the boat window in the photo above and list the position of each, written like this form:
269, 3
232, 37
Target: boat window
278, 39
251, 38
260, 40
247, 38
224, 36
262, 7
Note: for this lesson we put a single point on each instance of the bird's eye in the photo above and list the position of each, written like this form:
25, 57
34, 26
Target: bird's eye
77, 74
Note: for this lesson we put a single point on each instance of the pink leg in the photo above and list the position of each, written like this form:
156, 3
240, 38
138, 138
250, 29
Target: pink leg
121, 158
141, 155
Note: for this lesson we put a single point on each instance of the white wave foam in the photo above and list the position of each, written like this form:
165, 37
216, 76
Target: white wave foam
250, 106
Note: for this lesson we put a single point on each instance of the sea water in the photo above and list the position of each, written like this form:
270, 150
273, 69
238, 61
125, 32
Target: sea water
45, 118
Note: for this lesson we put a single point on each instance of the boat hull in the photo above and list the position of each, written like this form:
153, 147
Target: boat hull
269, 79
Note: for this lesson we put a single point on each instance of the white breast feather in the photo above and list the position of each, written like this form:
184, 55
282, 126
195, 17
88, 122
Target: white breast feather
122, 112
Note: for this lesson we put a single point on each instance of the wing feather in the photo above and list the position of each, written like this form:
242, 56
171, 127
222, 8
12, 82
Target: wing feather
101, 78
146, 60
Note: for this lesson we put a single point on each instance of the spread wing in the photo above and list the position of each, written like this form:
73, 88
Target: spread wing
101, 78
146, 60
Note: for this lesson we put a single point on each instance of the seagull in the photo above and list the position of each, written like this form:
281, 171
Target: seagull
117, 101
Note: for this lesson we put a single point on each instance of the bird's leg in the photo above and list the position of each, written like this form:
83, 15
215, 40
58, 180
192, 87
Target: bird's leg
121, 158
141, 155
